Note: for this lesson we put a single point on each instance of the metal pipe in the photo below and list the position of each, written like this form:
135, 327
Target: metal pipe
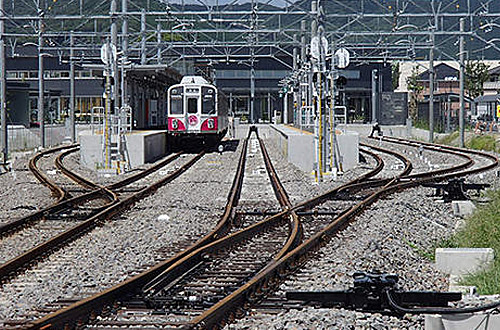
374, 95
158, 43
72, 89
41, 109
3, 94
143, 37
461, 115
124, 50
431, 90
114, 42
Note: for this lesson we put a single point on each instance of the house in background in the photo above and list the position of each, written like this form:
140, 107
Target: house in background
446, 97
486, 105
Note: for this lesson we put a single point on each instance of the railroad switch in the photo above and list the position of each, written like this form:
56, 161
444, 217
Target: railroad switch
456, 189
373, 292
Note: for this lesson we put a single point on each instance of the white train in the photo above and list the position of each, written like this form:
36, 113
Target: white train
196, 111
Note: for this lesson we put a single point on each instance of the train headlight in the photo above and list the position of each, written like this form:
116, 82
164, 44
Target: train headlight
211, 124
175, 124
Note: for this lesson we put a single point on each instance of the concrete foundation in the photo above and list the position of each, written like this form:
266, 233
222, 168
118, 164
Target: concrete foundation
142, 147
463, 208
463, 261
298, 146
393, 130
462, 322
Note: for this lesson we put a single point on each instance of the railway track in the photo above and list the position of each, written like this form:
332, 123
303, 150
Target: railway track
50, 229
241, 284
286, 243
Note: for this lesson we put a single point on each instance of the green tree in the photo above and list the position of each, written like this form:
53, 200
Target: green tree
396, 73
415, 87
476, 74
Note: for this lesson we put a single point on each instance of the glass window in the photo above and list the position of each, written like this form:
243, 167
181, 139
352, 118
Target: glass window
192, 105
208, 101
176, 105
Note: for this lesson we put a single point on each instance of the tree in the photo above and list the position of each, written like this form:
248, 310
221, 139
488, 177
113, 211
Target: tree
476, 74
396, 73
415, 88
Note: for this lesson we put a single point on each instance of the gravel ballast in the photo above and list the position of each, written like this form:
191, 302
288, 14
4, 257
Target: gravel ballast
111, 253
390, 236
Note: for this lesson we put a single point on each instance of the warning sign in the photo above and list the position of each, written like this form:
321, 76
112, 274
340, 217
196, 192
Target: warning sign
498, 110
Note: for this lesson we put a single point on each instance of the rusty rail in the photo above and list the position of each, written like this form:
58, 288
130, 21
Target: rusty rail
57, 191
13, 266
257, 286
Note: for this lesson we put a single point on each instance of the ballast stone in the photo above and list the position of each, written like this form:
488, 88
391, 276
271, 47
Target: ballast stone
463, 261
462, 208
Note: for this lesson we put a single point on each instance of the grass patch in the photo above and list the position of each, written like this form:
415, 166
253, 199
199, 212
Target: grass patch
483, 142
482, 230
448, 139
427, 254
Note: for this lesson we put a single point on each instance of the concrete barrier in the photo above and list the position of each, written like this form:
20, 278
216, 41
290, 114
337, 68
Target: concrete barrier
463, 261
142, 147
462, 322
462, 208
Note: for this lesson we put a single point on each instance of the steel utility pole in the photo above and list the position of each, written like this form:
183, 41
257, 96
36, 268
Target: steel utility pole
461, 114
374, 95
143, 37
431, 89
72, 88
3, 94
124, 50
114, 42
41, 109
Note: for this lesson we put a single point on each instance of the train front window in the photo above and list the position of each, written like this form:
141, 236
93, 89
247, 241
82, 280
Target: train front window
208, 101
192, 105
176, 105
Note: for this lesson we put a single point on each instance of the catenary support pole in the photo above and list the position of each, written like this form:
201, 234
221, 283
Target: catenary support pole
143, 37
124, 100
3, 94
374, 95
114, 42
41, 106
72, 88
431, 89
461, 115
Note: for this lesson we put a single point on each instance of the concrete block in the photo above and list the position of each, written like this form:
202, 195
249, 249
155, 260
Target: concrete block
462, 322
463, 208
462, 261
142, 147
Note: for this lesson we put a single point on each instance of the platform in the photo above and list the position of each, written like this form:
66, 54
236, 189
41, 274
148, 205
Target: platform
298, 146
142, 147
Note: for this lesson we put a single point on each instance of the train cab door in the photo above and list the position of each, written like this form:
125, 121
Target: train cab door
193, 113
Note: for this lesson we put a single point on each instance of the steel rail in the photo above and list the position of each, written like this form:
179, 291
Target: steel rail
150, 278
257, 286
57, 191
296, 232
73, 175
220, 230
18, 224
493, 158
81, 310
13, 266
468, 163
